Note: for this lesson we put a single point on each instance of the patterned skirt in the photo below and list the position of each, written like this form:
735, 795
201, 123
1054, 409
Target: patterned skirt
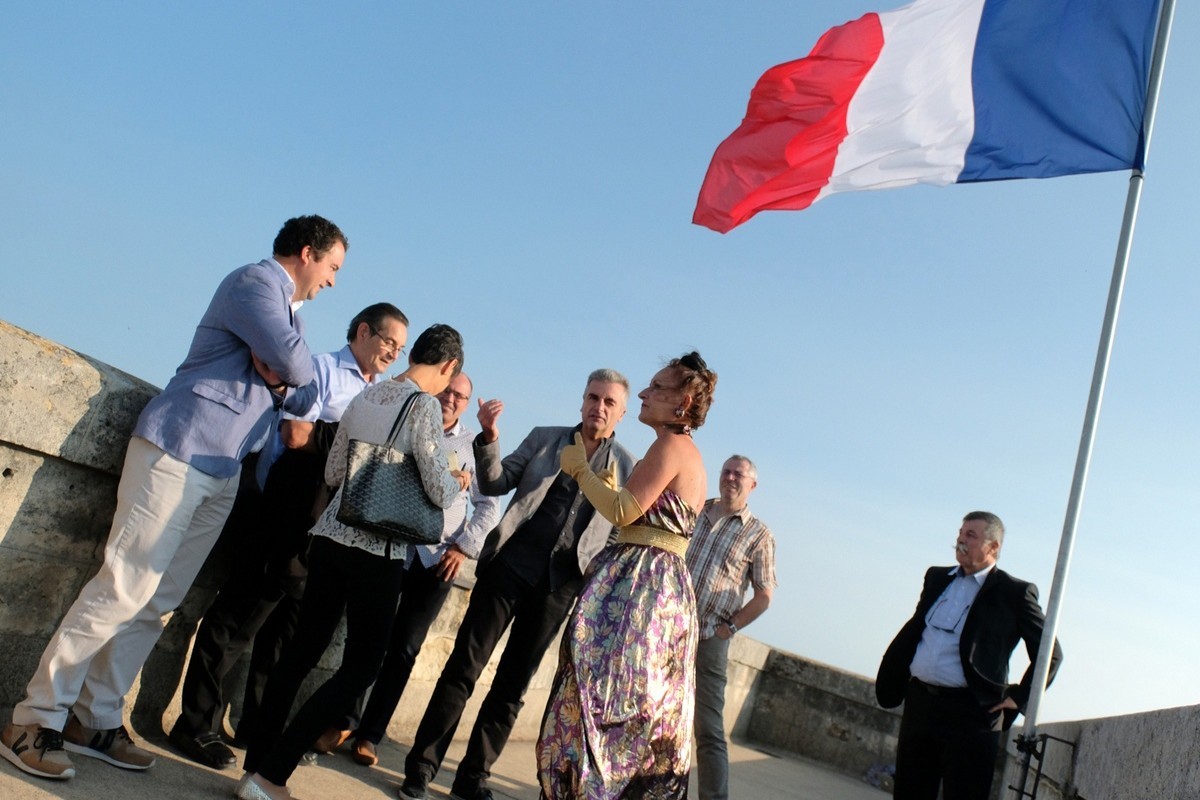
619, 720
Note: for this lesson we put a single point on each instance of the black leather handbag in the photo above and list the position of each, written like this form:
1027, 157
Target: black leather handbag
383, 493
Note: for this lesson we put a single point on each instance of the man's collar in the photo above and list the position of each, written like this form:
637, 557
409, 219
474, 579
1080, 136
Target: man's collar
346, 360
979, 576
457, 429
743, 513
288, 284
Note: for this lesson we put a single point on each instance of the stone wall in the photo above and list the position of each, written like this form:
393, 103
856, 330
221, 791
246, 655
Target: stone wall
64, 422
789, 703
1155, 754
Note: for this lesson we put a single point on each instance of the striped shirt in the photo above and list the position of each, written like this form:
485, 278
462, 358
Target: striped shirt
468, 532
726, 556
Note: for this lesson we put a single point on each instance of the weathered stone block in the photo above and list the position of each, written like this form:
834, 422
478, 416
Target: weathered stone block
35, 592
1155, 754
54, 507
821, 713
61, 403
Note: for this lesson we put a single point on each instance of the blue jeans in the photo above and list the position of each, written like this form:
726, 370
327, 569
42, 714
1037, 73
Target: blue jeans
712, 752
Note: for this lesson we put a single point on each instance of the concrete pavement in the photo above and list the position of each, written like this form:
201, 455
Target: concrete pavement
756, 775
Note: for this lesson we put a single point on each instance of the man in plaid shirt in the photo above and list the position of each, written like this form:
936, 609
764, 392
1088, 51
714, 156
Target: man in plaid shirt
730, 551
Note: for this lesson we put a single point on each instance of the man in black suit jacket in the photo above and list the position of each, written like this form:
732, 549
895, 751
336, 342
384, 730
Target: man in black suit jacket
949, 666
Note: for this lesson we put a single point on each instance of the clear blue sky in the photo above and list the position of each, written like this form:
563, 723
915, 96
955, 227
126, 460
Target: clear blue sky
891, 360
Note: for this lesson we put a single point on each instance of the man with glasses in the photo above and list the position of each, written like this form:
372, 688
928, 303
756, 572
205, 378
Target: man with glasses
428, 579
267, 576
949, 666
730, 551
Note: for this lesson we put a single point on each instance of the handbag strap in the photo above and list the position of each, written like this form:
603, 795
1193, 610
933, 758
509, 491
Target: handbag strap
403, 415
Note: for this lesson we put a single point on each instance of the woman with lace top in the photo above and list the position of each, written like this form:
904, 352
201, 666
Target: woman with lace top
354, 570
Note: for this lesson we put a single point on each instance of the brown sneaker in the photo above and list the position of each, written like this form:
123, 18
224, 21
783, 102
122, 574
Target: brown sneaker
112, 745
330, 740
364, 752
36, 750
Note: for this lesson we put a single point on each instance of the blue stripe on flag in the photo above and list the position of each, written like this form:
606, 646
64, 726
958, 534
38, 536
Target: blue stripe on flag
1060, 87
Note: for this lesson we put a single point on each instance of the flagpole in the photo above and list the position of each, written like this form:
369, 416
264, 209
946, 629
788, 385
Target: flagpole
1026, 742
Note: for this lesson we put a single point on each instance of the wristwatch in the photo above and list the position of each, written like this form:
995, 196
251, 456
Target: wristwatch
729, 624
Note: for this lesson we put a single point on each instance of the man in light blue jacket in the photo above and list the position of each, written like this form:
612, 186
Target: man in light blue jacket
248, 359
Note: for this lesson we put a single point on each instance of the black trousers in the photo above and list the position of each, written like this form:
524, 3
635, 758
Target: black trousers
269, 642
271, 532
366, 587
500, 598
421, 601
947, 739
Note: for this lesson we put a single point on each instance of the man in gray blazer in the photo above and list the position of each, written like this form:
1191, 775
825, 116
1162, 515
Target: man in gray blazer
247, 359
530, 571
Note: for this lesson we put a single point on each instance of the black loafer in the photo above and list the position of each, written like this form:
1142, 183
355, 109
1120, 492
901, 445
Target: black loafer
206, 749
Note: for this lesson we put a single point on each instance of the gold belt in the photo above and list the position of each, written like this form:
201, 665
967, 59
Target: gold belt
653, 537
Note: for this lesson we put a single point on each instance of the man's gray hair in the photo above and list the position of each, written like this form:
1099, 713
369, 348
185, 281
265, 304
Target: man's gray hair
609, 376
994, 532
753, 470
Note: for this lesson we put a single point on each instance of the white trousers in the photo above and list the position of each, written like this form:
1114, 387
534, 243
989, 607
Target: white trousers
168, 518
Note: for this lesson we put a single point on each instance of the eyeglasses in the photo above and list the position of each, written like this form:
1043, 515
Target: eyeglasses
390, 344
453, 395
945, 617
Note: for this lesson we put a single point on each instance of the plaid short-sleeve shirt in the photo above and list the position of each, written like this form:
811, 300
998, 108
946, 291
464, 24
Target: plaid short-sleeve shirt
725, 557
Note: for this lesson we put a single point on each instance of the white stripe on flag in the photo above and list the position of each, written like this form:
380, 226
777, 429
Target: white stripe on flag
913, 116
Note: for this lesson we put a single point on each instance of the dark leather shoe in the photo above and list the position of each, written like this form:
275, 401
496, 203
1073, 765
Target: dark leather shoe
364, 752
206, 749
331, 740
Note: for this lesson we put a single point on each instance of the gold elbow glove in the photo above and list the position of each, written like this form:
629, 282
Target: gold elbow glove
617, 506
609, 476
573, 458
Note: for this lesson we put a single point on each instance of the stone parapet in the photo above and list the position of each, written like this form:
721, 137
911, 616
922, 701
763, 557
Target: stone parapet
797, 705
64, 422
1155, 754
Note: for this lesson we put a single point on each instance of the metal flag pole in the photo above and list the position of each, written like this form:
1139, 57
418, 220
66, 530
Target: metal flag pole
1026, 742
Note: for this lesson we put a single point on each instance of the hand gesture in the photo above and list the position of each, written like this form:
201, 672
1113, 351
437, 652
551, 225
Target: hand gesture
609, 476
452, 560
573, 459
489, 412
1007, 704
463, 477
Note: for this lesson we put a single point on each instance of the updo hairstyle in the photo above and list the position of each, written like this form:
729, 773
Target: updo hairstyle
698, 382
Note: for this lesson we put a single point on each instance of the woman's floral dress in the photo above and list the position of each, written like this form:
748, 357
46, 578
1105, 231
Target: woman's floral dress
619, 720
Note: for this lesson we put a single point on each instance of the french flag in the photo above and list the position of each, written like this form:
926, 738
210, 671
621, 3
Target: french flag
940, 92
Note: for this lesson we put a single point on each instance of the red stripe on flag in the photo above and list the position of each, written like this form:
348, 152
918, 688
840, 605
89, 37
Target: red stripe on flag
783, 152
